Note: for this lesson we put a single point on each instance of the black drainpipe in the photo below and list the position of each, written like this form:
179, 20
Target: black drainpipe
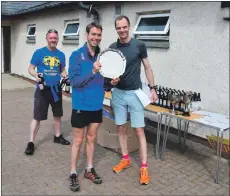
90, 9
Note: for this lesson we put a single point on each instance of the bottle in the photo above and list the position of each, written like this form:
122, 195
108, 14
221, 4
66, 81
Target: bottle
62, 84
159, 96
41, 83
199, 105
67, 85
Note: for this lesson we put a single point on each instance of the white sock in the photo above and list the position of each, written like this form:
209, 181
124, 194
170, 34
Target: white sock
89, 167
73, 172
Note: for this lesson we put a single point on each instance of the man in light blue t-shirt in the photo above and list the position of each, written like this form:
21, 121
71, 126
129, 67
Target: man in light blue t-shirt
50, 64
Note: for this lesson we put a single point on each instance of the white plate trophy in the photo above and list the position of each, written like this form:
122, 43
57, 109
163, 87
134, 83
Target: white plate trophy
113, 63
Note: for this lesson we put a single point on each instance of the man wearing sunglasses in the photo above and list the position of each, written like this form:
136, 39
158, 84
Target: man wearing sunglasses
48, 65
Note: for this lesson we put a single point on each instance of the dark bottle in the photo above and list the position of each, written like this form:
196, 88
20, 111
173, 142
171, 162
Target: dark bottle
194, 96
41, 83
198, 97
159, 96
62, 84
180, 102
165, 98
67, 85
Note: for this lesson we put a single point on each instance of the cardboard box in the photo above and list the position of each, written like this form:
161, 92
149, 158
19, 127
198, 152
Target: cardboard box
107, 135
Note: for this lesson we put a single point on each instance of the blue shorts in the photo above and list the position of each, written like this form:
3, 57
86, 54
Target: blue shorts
124, 101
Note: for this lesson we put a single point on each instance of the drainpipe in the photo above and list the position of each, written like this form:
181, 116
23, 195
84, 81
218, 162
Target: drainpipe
91, 10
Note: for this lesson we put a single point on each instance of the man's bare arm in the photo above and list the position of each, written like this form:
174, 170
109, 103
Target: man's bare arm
64, 73
33, 72
150, 78
148, 72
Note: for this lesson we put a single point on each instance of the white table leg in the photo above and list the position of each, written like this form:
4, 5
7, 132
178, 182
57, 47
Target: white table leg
159, 122
165, 137
186, 126
179, 130
219, 148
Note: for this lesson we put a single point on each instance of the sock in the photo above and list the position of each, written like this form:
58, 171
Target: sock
89, 167
144, 165
125, 156
73, 172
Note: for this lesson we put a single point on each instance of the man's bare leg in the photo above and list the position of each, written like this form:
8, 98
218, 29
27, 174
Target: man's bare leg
122, 132
78, 135
90, 172
58, 138
34, 127
90, 140
142, 144
57, 126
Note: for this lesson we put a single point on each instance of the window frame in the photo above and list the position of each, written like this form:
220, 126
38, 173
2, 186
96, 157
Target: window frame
135, 32
28, 28
71, 34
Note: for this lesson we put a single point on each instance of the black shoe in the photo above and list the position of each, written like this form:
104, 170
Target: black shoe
74, 184
29, 149
61, 140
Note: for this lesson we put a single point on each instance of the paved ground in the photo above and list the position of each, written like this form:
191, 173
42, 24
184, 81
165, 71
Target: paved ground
46, 173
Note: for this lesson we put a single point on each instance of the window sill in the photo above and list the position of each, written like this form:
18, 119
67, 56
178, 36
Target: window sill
156, 43
70, 41
30, 41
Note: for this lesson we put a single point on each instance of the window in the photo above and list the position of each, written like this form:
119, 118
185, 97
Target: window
31, 31
71, 30
153, 28
118, 9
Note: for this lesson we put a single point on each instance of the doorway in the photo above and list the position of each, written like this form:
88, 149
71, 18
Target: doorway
6, 49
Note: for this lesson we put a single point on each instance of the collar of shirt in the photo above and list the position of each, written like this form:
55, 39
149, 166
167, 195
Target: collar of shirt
97, 51
123, 44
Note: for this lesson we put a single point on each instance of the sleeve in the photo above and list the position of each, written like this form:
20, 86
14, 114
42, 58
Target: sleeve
76, 79
63, 62
111, 46
35, 60
143, 50
107, 84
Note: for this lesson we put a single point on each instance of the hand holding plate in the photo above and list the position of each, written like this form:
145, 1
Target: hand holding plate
96, 67
115, 81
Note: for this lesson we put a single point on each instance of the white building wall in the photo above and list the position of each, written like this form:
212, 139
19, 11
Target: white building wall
197, 60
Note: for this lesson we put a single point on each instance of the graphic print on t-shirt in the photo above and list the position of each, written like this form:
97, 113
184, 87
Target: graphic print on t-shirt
51, 61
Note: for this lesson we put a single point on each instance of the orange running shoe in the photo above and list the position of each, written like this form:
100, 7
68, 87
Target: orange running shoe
124, 163
144, 176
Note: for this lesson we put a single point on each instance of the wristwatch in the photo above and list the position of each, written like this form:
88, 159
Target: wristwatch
152, 87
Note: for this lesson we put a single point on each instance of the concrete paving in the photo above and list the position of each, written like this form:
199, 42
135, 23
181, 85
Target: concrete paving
47, 171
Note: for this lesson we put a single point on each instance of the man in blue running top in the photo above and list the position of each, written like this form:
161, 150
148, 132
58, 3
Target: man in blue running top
87, 102
50, 64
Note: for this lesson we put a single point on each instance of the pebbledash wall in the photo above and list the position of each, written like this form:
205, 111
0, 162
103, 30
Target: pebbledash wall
197, 58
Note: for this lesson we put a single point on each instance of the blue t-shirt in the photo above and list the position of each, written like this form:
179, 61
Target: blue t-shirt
50, 63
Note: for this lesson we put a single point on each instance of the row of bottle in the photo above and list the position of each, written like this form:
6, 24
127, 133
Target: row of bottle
65, 82
163, 99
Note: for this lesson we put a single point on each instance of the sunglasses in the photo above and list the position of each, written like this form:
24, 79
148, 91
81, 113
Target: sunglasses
52, 31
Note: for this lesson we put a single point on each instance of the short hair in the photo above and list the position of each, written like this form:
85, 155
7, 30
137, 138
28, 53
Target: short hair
91, 25
120, 18
52, 31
